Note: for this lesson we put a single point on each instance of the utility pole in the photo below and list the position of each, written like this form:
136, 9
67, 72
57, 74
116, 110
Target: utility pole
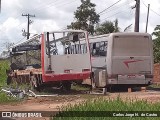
136, 29
29, 22
0, 6
147, 17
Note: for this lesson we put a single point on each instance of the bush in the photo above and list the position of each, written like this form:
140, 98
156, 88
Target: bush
6, 99
4, 64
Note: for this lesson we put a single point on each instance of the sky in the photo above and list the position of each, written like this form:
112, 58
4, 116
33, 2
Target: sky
53, 15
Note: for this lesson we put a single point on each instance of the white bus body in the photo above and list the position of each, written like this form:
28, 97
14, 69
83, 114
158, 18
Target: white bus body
65, 61
124, 59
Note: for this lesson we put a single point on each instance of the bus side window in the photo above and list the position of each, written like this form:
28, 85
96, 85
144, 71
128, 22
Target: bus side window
91, 48
75, 46
82, 48
85, 48
76, 49
94, 45
94, 49
105, 46
102, 46
103, 51
97, 48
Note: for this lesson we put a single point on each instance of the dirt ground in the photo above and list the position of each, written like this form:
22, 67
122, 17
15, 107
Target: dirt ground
56, 102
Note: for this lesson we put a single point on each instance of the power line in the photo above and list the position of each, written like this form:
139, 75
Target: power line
131, 9
20, 40
62, 4
10, 39
114, 15
52, 4
109, 7
150, 8
42, 5
115, 8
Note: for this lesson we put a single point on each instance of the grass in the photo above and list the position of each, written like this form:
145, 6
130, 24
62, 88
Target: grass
4, 64
80, 87
155, 86
94, 107
4, 99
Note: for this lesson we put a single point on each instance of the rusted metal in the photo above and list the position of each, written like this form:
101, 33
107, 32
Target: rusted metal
24, 76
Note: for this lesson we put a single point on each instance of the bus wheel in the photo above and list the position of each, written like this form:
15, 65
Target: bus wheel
66, 85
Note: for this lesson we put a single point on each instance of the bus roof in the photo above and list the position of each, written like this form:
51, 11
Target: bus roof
129, 34
61, 31
104, 37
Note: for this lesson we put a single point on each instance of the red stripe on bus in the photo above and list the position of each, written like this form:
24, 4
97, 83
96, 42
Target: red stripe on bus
71, 76
130, 61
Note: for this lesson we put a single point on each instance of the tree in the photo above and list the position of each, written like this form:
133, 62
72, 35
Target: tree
156, 44
116, 26
6, 52
85, 16
107, 27
157, 31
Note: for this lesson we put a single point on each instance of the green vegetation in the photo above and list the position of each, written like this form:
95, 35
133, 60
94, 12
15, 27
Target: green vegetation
156, 44
154, 86
107, 27
4, 64
7, 99
80, 87
85, 17
107, 105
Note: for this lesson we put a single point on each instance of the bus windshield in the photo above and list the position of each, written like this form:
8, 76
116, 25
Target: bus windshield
131, 46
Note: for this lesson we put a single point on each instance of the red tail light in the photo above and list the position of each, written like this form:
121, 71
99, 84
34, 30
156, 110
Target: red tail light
67, 71
85, 70
112, 76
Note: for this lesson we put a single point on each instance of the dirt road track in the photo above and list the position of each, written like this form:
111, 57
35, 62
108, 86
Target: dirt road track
54, 103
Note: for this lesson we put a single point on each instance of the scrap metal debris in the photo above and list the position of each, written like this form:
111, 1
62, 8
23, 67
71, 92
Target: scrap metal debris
20, 94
